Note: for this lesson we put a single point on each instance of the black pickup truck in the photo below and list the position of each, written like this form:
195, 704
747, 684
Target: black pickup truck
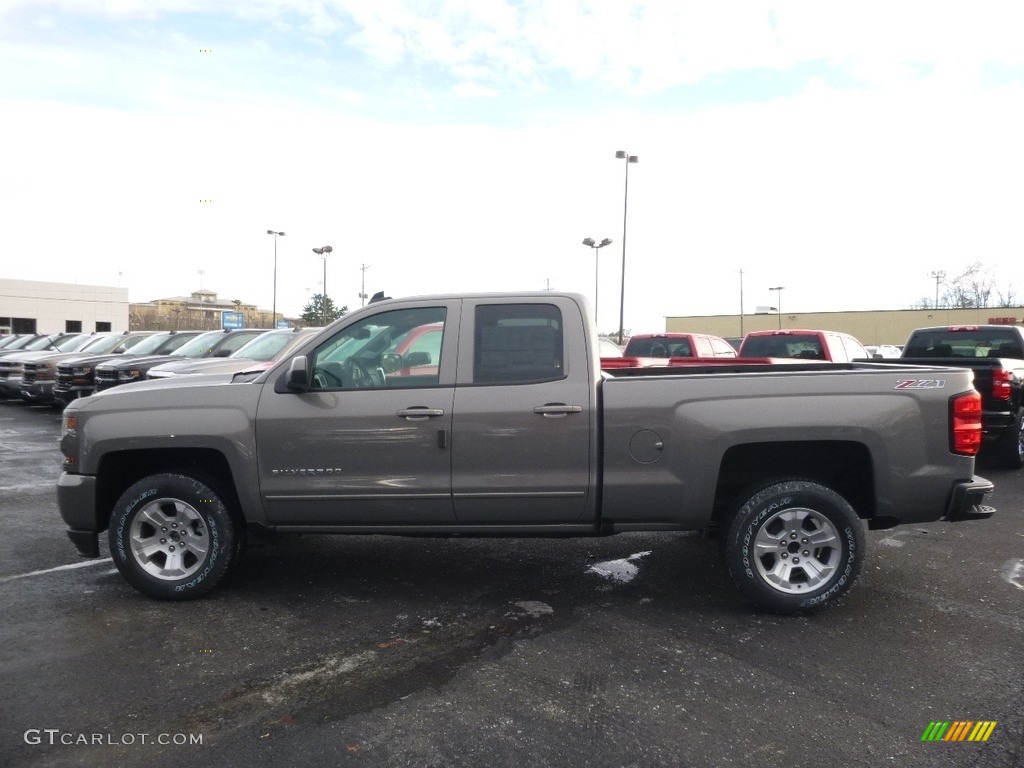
996, 355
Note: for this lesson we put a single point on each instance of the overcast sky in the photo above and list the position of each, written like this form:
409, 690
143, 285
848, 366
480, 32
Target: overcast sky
844, 151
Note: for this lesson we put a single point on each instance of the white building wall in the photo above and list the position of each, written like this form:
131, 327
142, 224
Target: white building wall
53, 305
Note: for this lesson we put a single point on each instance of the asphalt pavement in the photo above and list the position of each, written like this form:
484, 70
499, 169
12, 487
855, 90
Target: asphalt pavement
631, 650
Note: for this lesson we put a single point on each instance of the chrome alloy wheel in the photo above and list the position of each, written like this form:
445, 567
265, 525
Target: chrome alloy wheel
169, 539
797, 550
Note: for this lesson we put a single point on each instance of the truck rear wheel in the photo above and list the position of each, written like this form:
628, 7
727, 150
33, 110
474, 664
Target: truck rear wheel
794, 547
172, 537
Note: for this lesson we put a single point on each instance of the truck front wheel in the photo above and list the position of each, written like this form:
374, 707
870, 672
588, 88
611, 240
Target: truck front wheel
172, 537
794, 547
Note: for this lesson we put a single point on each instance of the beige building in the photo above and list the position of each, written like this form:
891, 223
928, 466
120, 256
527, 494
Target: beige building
200, 311
874, 327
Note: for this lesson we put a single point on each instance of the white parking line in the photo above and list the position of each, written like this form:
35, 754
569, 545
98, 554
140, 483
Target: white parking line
71, 566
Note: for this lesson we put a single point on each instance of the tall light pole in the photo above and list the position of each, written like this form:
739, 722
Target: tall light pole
322, 253
741, 303
273, 311
597, 252
778, 308
938, 275
623, 155
362, 288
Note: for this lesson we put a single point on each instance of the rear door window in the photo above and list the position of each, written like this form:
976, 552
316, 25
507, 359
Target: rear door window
517, 344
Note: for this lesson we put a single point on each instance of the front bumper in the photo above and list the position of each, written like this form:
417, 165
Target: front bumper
76, 500
39, 391
965, 501
10, 386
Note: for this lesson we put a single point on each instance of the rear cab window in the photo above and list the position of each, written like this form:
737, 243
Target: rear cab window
963, 343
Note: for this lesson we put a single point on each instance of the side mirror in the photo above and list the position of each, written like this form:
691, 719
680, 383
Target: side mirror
222, 353
878, 356
298, 374
415, 359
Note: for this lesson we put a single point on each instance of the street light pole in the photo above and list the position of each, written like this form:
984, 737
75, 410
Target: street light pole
623, 155
780, 289
938, 275
597, 252
273, 311
362, 288
322, 253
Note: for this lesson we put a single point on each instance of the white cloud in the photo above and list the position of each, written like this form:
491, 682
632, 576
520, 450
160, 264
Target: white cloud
849, 197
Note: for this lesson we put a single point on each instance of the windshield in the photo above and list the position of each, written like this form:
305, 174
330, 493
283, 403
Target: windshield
267, 345
43, 342
200, 346
22, 343
74, 343
148, 345
102, 344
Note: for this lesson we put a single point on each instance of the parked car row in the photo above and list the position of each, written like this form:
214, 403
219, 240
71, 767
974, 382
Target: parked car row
57, 369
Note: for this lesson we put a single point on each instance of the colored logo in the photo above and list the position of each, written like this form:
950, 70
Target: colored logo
959, 730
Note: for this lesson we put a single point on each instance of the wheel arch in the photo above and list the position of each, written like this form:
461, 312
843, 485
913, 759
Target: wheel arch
119, 470
843, 466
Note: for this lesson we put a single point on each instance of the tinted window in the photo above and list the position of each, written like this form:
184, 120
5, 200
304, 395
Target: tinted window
978, 342
658, 347
517, 344
801, 346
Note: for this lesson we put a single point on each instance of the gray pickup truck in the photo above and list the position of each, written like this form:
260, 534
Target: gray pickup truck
488, 415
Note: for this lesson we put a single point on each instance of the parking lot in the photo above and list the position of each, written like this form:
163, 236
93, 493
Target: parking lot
632, 650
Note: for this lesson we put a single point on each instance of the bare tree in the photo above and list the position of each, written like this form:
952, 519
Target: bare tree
1008, 297
971, 288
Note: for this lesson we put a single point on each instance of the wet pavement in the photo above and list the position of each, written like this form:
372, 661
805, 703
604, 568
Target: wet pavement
632, 650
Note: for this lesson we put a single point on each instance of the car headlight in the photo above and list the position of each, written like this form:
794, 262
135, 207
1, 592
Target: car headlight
81, 370
130, 375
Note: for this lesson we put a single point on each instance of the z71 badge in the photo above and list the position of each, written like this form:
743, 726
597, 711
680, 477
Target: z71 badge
920, 384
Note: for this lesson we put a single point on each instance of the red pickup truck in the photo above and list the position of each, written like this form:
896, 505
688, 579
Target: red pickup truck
831, 346
647, 350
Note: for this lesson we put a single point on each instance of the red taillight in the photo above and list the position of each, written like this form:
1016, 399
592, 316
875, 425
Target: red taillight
1002, 383
965, 430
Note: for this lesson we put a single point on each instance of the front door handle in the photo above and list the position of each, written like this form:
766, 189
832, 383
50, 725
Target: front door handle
557, 410
419, 413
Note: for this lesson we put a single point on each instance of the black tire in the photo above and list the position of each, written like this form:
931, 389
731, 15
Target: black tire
794, 547
1011, 444
172, 537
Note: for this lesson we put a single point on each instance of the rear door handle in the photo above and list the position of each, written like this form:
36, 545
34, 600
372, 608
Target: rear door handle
420, 413
557, 410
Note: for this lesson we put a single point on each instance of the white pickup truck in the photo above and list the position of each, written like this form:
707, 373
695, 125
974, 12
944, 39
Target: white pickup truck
488, 415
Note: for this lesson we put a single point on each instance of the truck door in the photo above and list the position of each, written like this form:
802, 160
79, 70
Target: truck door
369, 443
523, 441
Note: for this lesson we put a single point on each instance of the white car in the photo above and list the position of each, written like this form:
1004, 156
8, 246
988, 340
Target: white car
883, 351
